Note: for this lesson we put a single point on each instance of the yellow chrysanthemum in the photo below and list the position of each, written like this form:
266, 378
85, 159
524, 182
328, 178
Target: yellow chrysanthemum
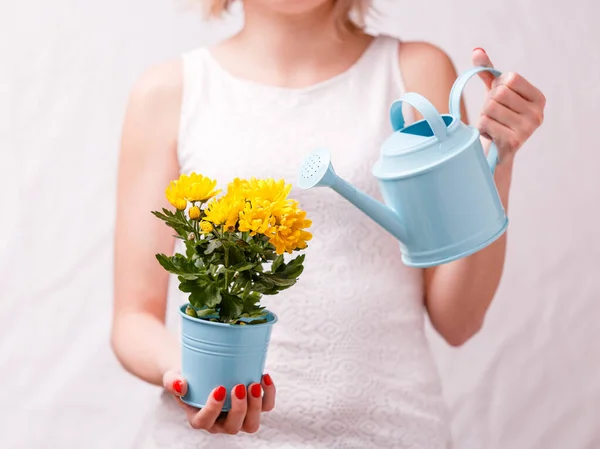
261, 206
176, 196
224, 211
255, 219
288, 233
194, 212
198, 187
271, 190
190, 188
206, 227
238, 187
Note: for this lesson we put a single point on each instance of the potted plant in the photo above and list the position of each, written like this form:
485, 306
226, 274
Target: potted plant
238, 247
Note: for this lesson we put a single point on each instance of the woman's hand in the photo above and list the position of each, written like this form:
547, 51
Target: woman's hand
247, 404
513, 111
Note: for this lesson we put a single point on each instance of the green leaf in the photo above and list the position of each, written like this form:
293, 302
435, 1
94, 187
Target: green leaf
212, 246
179, 265
264, 286
242, 244
271, 255
206, 312
294, 268
244, 266
186, 286
256, 322
176, 220
294, 273
280, 281
254, 297
251, 308
277, 263
236, 256
205, 295
198, 263
231, 308
297, 261
190, 251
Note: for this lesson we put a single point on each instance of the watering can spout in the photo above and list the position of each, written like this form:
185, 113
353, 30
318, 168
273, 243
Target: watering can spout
317, 171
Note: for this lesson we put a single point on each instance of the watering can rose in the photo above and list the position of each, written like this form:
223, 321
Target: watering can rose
236, 244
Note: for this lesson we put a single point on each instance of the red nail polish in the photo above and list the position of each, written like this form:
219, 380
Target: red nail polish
268, 380
220, 394
240, 391
178, 386
479, 48
256, 390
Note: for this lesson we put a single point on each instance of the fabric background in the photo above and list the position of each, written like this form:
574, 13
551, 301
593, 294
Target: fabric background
528, 380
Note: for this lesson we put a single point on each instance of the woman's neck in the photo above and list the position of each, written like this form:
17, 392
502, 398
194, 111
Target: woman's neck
291, 50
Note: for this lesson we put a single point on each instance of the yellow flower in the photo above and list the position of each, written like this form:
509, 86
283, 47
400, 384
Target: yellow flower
198, 187
206, 227
224, 211
261, 206
194, 212
265, 191
254, 219
238, 187
190, 188
175, 196
271, 190
288, 233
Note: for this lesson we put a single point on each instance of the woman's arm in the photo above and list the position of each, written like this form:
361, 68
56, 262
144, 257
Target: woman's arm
458, 294
146, 165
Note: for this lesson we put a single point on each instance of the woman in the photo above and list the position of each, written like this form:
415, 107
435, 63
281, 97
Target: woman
349, 353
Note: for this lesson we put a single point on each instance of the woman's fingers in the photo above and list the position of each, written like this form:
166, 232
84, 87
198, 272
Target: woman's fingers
504, 137
247, 405
268, 401
252, 420
521, 86
235, 417
206, 418
509, 98
481, 58
502, 114
174, 383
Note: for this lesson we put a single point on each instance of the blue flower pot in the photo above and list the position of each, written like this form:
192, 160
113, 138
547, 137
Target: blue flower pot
215, 354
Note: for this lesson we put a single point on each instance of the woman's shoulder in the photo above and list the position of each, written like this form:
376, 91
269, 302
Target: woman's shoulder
422, 55
416, 59
152, 112
422, 62
160, 82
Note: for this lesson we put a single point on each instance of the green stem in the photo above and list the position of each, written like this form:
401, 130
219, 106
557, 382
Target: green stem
227, 281
226, 261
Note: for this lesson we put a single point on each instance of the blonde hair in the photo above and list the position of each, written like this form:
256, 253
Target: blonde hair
348, 13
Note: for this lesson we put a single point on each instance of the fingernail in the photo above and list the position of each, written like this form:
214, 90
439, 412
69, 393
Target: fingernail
479, 48
256, 390
268, 380
219, 394
178, 386
240, 391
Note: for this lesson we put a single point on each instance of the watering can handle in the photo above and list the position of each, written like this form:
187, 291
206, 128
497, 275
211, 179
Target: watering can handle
454, 106
459, 86
427, 110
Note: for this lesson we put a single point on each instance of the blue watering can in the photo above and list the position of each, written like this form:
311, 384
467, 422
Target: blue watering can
437, 184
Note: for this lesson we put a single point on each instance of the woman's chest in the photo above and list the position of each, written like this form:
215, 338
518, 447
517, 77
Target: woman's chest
272, 142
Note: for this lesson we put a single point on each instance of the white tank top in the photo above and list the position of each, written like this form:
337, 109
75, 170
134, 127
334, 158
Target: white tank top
348, 355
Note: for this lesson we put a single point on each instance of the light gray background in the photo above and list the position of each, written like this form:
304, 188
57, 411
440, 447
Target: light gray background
529, 380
